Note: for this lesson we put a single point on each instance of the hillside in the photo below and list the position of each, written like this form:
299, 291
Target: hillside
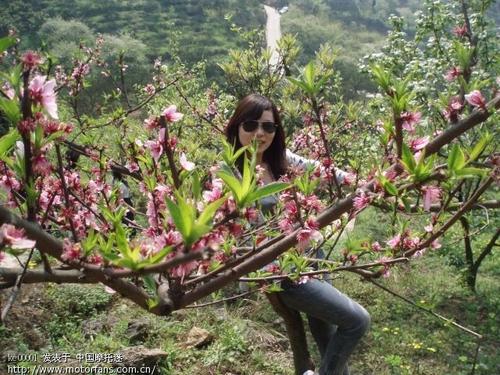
201, 30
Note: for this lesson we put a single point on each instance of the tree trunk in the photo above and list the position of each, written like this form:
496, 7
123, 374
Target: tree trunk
296, 334
485, 252
469, 256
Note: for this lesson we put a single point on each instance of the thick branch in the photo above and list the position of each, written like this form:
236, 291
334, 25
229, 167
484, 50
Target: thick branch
50, 245
478, 116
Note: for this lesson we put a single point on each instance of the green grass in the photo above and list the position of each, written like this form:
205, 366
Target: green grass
248, 337
249, 340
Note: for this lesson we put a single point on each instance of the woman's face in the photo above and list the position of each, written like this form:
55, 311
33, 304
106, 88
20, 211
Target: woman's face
264, 139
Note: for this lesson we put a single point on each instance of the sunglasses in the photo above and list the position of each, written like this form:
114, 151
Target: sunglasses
251, 125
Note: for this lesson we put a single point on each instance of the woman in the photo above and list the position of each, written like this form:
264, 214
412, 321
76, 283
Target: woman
337, 323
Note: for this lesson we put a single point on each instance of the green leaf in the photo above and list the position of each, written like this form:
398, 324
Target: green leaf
471, 172
122, 241
152, 303
309, 74
196, 185
480, 146
188, 211
266, 190
11, 110
209, 211
8, 141
6, 42
178, 218
389, 187
456, 158
382, 78
408, 159
233, 184
300, 84
150, 284
160, 255
247, 177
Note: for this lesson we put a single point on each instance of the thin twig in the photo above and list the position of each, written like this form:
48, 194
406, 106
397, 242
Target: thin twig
222, 300
439, 316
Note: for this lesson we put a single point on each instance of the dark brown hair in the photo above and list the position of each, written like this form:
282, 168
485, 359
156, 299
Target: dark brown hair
251, 108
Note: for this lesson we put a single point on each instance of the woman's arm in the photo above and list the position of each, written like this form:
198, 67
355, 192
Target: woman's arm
298, 161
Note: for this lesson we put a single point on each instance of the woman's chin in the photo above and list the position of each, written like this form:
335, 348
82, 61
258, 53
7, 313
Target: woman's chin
262, 147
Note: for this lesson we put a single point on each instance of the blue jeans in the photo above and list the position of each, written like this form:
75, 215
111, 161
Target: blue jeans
337, 322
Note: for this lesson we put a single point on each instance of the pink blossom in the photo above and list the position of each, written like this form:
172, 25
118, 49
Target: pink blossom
41, 165
2, 256
312, 203
286, 225
184, 269
30, 59
236, 229
451, 112
273, 268
161, 135
15, 238
361, 201
305, 236
452, 74
171, 114
95, 259
429, 228
25, 126
43, 93
291, 209
151, 123
212, 195
8, 181
419, 143
376, 246
71, 251
156, 149
409, 120
391, 174
410, 243
476, 99
80, 71
349, 178
187, 165
251, 214
460, 31
436, 244
432, 194
394, 241
149, 89
312, 223
132, 166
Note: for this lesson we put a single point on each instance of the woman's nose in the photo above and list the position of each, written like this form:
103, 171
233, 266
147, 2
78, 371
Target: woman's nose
259, 132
